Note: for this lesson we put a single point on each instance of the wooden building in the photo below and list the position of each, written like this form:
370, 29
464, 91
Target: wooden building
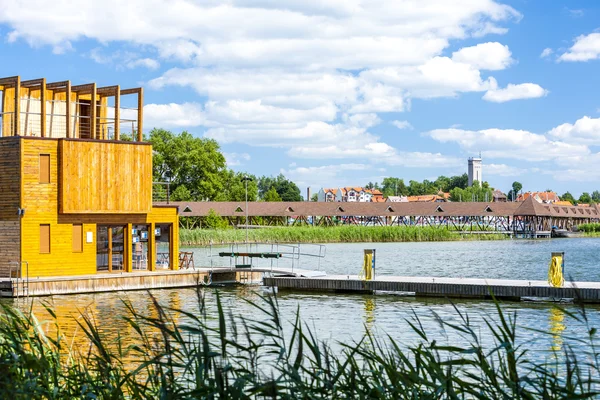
75, 198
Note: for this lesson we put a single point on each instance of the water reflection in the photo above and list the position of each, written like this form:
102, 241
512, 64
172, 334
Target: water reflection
369, 313
557, 326
332, 317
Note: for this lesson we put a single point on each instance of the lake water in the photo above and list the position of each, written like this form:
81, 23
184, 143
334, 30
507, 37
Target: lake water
346, 317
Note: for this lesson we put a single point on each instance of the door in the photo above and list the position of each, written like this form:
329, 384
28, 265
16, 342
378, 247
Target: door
110, 248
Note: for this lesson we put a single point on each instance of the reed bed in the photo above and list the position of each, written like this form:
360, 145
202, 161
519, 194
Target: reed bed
241, 357
589, 228
336, 234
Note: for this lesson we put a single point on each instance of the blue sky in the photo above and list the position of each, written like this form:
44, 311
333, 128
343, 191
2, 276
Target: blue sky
343, 92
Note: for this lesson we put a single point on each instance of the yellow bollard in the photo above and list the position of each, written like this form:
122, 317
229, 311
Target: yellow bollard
555, 271
368, 270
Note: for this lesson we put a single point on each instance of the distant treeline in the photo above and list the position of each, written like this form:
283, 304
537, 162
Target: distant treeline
457, 186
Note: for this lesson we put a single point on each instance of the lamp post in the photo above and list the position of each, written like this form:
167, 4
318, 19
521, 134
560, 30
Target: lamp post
246, 179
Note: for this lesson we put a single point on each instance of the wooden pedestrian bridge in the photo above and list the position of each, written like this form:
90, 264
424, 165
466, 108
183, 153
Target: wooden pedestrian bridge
525, 218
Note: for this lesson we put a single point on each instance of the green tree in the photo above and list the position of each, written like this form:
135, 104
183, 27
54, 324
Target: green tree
214, 221
272, 195
459, 181
234, 187
568, 197
513, 193
287, 190
314, 197
393, 187
596, 196
585, 198
415, 188
443, 183
181, 193
476, 192
184, 160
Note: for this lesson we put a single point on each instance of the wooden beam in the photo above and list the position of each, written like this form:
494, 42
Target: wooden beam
86, 88
125, 92
17, 114
68, 109
108, 90
117, 113
140, 115
9, 81
43, 107
93, 111
57, 85
33, 82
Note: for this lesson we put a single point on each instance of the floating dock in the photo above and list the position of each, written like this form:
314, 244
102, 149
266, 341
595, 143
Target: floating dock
588, 292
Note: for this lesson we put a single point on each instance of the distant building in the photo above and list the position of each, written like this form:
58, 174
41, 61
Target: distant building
427, 198
499, 197
540, 197
475, 170
397, 199
350, 194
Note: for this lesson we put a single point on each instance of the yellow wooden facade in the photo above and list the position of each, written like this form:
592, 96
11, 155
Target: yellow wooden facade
57, 194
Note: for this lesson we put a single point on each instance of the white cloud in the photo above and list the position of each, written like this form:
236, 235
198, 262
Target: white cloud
515, 92
173, 115
326, 175
402, 124
122, 59
509, 143
143, 62
585, 48
547, 52
585, 168
576, 13
335, 34
485, 56
503, 170
585, 130
235, 159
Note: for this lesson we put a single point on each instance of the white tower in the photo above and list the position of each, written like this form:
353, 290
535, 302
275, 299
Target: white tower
475, 170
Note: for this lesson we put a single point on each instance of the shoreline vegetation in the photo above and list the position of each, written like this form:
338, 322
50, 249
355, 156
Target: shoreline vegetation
334, 234
590, 230
183, 354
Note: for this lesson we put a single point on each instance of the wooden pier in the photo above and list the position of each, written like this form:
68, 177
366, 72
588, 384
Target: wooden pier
59, 285
142, 280
588, 292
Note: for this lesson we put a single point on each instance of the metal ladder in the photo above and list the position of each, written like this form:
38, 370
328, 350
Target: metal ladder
22, 283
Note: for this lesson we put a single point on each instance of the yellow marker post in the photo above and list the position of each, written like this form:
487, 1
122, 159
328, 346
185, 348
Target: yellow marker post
368, 270
556, 269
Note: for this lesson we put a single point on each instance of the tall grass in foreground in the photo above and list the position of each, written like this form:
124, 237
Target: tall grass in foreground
241, 357
335, 234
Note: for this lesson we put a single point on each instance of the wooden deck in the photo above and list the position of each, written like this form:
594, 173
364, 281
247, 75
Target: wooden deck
443, 287
141, 280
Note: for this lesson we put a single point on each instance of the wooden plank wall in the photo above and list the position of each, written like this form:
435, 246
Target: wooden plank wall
117, 177
41, 202
10, 188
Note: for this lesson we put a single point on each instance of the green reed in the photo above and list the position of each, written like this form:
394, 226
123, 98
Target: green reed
592, 230
251, 357
335, 234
